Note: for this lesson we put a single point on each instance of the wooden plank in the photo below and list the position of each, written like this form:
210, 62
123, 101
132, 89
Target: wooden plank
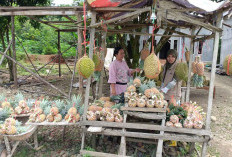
63, 122
160, 142
69, 18
38, 12
99, 154
58, 8
141, 126
141, 140
145, 115
212, 79
9, 45
144, 109
166, 136
205, 38
139, 11
36, 19
14, 51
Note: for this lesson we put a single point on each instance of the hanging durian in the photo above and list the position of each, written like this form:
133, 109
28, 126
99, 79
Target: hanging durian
85, 66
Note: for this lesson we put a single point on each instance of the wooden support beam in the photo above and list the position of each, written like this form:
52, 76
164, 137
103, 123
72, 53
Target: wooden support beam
145, 115
57, 22
36, 19
205, 37
139, 11
59, 52
212, 79
9, 45
69, 18
14, 51
141, 126
139, 109
56, 8
37, 13
99, 154
35, 75
165, 136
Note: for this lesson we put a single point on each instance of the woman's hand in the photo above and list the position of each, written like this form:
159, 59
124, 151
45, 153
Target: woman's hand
113, 91
135, 70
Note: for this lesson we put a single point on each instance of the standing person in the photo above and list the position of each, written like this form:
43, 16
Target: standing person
119, 73
171, 86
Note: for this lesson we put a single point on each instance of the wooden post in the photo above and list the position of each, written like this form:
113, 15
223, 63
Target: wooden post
14, 51
78, 52
91, 47
212, 78
59, 52
190, 66
103, 45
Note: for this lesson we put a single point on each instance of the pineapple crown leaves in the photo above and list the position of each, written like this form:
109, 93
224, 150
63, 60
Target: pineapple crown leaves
47, 110
143, 87
18, 97
30, 102
76, 100
81, 109
2, 98
130, 82
44, 103
4, 114
151, 84
18, 123
21, 129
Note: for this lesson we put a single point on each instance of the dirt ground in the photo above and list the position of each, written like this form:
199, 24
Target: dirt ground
220, 145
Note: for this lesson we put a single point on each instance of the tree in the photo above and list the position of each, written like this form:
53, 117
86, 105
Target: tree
5, 23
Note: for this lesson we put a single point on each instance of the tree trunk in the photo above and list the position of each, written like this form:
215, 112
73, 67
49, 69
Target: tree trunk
163, 40
10, 63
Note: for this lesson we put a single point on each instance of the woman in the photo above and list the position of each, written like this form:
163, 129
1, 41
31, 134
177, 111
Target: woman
119, 73
171, 86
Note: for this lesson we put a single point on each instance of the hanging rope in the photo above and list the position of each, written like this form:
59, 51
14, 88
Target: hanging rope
84, 32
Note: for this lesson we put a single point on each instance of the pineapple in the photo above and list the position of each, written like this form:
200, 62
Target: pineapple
10, 121
148, 93
72, 111
108, 104
115, 111
26, 110
18, 110
137, 82
50, 118
32, 117
78, 117
141, 102
91, 116
40, 118
22, 103
198, 124
132, 102
11, 130
38, 110
6, 104
94, 108
188, 123
2, 129
118, 118
178, 125
159, 104
150, 103
54, 111
168, 123
104, 99
154, 90
174, 119
57, 118
105, 110
110, 117
131, 88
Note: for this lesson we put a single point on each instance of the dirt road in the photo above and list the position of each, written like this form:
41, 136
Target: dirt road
221, 144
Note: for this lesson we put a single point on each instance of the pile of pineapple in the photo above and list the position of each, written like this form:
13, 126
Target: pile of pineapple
56, 111
10, 126
188, 115
144, 94
104, 110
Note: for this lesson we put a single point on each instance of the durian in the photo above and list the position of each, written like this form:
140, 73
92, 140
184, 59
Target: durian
85, 66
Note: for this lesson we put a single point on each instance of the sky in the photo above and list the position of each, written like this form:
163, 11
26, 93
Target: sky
58, 2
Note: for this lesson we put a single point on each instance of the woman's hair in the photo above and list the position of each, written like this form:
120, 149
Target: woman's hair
116, 50
172, 52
